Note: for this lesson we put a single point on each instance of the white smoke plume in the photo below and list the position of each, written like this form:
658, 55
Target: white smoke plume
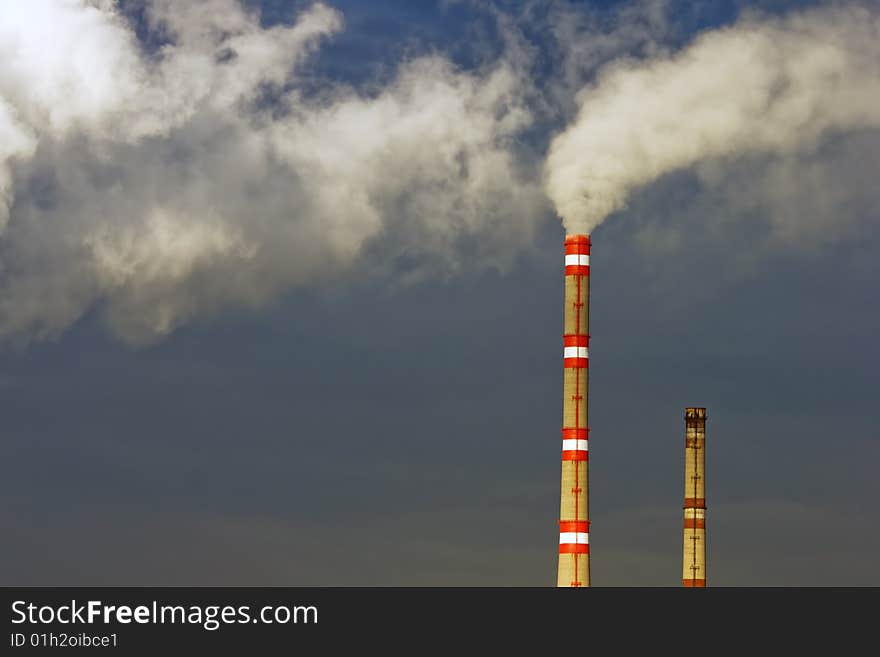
157, 187
765, 85
152, 186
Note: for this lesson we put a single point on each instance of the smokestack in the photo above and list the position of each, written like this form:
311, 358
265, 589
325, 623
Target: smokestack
694, 561
574, 522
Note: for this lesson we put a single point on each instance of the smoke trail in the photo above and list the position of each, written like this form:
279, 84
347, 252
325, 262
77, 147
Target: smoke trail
763, 85
159, 187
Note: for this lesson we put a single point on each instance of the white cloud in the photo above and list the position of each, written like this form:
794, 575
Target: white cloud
155, 186
765, 85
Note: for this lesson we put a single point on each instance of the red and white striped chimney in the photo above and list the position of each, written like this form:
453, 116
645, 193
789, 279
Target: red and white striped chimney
574, 517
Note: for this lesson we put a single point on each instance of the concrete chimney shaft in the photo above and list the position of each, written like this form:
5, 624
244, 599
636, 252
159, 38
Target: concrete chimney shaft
694, 552
574, 516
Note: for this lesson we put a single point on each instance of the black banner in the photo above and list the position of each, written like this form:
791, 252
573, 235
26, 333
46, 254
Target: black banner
269, 620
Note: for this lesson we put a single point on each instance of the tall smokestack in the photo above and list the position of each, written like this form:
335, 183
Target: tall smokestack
574, 522
694, 559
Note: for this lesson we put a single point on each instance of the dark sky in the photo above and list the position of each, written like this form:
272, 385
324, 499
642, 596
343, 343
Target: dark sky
357, 433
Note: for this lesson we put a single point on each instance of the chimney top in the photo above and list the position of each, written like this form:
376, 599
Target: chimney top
695, 413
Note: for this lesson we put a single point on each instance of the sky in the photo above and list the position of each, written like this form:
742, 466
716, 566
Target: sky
281, 289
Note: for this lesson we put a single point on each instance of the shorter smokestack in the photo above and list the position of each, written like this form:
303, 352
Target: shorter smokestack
694, 561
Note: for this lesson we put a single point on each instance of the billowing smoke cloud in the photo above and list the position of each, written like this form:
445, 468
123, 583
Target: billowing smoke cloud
777, 86
156, 187
154, 184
